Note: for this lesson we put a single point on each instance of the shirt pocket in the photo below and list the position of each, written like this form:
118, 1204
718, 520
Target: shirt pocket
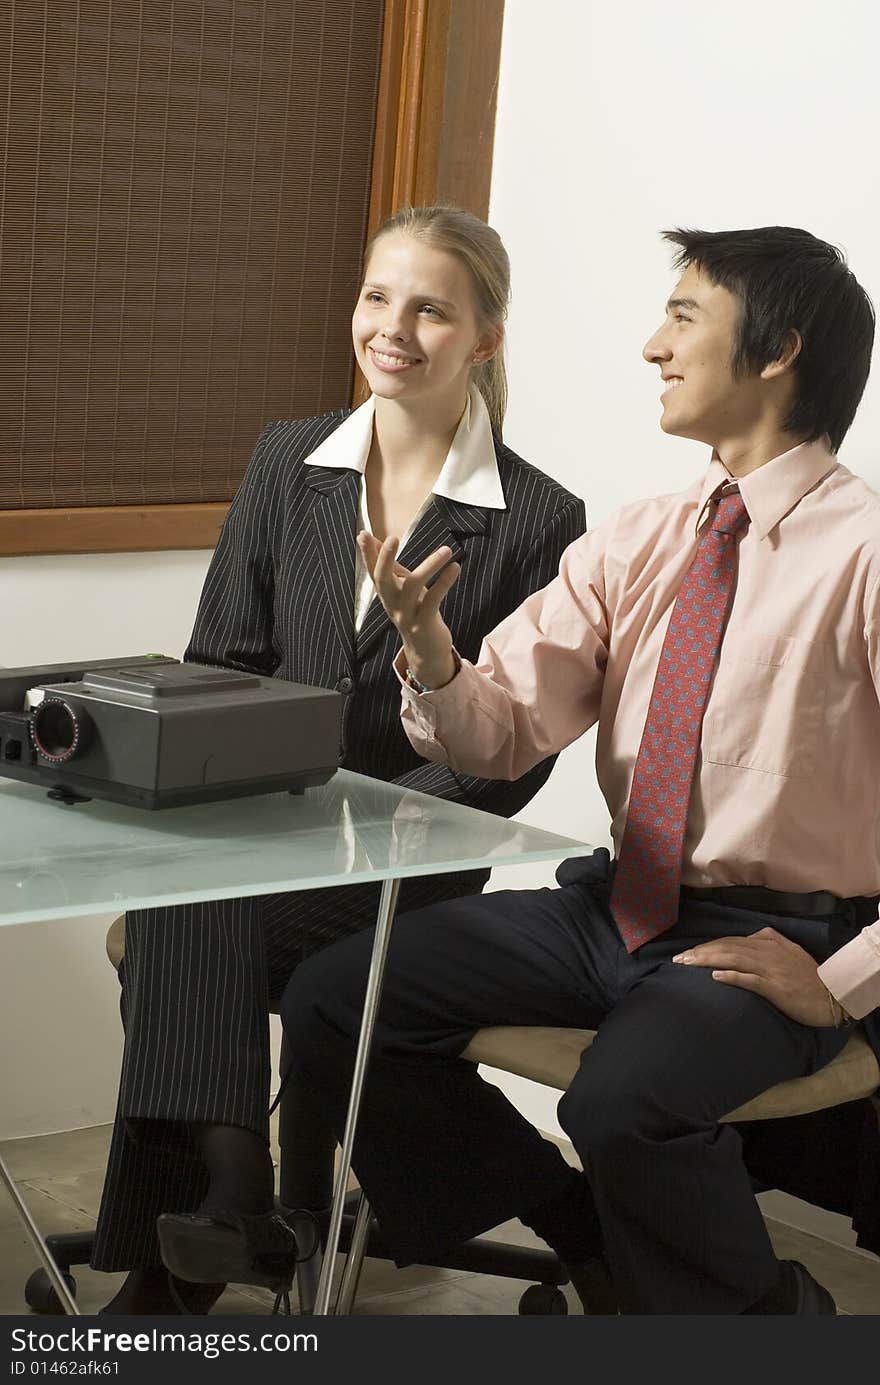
766, 710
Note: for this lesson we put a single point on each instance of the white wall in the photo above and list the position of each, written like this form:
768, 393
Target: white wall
614, 122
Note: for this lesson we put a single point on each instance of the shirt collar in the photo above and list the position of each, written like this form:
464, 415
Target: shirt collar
469, 473
774, 489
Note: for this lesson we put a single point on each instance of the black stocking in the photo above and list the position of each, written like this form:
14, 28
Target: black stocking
239, 1166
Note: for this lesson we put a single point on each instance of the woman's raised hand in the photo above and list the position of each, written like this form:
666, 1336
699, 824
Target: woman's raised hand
413, 602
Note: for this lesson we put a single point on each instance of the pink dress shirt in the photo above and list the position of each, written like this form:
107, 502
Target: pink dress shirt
786, 791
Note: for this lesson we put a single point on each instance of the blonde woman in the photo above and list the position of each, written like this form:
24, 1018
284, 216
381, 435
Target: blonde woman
288, 594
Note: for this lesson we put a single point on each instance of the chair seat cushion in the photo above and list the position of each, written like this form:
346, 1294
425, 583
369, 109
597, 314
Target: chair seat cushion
115, 941
552, 1056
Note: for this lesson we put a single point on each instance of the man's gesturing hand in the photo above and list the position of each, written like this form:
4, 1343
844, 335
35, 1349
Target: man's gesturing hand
771, 966
414, 605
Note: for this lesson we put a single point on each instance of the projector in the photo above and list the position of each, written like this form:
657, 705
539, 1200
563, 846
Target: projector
155, 733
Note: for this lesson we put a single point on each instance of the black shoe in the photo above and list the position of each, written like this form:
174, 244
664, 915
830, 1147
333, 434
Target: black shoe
812, 1297
594, 1287
152, 1290
236, 1249
193, 1300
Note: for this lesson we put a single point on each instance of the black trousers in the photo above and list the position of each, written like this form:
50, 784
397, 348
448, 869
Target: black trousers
442, 1154
197, 985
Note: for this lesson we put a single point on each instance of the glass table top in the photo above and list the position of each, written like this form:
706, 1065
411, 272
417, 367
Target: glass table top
98, 857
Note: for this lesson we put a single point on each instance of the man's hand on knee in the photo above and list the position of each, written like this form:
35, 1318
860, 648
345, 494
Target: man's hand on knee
772, 966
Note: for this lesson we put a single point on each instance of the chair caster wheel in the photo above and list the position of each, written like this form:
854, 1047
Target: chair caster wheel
543, 1299
40, 1295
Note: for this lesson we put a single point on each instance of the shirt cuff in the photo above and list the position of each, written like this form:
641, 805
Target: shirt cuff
852, 974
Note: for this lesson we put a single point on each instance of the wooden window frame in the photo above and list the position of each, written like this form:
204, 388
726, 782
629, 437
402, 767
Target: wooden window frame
435, 122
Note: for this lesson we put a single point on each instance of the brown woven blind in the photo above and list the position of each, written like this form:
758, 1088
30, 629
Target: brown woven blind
182, 215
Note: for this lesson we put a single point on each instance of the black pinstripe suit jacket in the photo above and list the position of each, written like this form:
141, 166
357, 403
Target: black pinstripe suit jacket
279, 599
279, 595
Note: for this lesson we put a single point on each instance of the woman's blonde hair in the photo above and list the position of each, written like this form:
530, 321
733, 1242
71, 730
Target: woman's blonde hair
482, 253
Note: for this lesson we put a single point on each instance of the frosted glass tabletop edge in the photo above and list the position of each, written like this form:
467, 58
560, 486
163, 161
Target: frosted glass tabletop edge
287, 885
59, 862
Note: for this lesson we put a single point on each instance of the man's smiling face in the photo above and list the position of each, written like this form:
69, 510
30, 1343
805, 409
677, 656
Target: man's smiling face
702, 399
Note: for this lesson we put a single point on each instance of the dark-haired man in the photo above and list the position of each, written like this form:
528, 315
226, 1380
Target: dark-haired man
727, 641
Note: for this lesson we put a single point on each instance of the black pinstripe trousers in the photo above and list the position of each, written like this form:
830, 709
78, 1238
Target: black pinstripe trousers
198, 981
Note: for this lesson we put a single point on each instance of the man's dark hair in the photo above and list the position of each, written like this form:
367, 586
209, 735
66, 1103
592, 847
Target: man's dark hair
785, 278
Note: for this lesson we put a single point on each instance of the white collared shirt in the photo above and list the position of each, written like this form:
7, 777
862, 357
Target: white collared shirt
469, 473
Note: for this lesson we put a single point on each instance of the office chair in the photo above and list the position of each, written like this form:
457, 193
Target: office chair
549, 1056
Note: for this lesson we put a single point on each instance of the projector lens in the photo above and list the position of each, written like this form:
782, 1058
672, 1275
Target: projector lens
59, 730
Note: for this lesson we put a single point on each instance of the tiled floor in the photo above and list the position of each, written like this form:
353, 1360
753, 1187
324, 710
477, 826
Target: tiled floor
61, 1176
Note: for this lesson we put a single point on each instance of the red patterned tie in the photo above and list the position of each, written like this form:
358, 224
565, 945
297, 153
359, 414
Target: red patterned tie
645, 896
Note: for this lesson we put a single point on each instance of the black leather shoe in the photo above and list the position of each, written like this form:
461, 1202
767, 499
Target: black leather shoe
231, 1248
812, 1297
592, 1283
154, 1290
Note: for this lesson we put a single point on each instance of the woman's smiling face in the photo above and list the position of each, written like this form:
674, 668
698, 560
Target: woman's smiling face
414, 327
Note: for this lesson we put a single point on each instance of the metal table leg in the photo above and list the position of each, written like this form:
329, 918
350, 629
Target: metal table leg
351, 1274
385, 919
68, 1302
